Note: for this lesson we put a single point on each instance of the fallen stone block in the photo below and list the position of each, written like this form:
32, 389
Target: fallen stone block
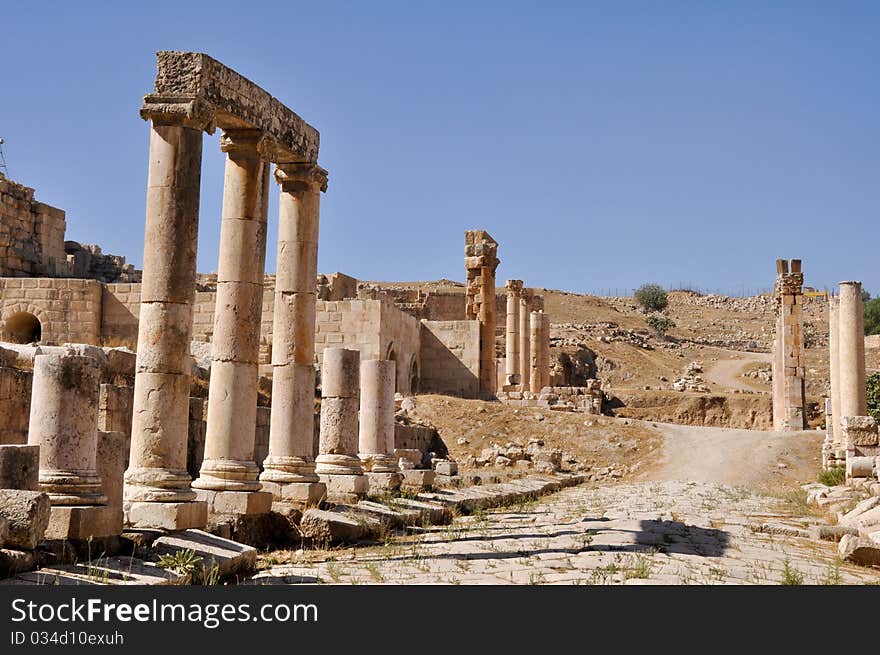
832, 532
27, 515
433, 513
82, 522
15, 561
19, 467
417, 478
220, 557
110, 571
326, 526
859, 550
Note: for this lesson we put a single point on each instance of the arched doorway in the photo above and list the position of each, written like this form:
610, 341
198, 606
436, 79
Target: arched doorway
23, 328
414, 376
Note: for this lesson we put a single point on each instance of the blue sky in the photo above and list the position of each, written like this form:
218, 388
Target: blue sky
602, 144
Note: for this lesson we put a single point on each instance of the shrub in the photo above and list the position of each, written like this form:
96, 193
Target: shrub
651, 297
832, 477
874, 395
662, 324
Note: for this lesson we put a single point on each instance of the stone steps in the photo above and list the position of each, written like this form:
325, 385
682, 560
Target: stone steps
366, 519
103, 571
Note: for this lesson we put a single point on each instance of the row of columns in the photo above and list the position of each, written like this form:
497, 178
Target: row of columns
527, 341
157, 487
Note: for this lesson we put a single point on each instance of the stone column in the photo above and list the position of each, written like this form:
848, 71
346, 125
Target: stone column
511, 341
289, 470
338, 464
157, 486
851, 351
535, 330
837, 443
525, 350
376, 435
789, 397
481, 261
545, 350
228, 467
64, 424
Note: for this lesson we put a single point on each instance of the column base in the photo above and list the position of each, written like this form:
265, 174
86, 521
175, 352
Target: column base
83, 522
382, 483
238, 503
284, 470
345, 488
418, 479
156, 485
167, 516
328, 464
227, 475
378, 463
300, 494
72, 487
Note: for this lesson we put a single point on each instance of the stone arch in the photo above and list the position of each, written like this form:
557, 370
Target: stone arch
414, 375
390, 353
22, 327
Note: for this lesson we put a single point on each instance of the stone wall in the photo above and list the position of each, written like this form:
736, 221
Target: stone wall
450, 358
68, 311
15, 404
31, 233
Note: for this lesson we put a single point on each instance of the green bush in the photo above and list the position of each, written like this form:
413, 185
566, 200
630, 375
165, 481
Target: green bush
662, 324
872, 316
832, 477
651, 297
874, 395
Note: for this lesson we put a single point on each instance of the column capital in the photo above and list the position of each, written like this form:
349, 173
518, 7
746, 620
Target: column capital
514, 286
248, 140
300, 176
193, 113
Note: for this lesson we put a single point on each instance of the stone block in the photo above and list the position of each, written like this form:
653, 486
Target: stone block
236, 502
382, 483
83, 522
859, 430
229, 557
859, 550
419, 479
26, 514
167, 516
13, 562
445, 467
345, 488
19, 467
325, 526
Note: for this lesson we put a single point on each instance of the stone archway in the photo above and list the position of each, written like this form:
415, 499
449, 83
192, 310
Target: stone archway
22, 327
414, 375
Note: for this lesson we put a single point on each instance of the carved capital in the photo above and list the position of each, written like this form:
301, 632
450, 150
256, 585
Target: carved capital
301, 177
182, 111
247, 140
514, 286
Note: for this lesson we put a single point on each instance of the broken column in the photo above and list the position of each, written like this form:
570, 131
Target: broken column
157, 485
836, 452
64, 424
376, 425
511, 341
545, 350
789, 398
337, 463
228, 475
289, 469
481, 260
851, 351
535, 330
862, 449
525, 351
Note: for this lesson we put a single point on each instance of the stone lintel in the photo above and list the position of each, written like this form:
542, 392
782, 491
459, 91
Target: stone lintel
197, 91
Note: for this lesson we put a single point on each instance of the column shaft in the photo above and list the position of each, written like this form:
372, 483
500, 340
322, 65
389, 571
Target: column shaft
851, 346
545, 350
525, 355
511, 339
376, 421
834, 351
340, 403
535, 353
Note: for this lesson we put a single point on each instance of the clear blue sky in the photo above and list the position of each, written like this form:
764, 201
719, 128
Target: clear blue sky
602, 144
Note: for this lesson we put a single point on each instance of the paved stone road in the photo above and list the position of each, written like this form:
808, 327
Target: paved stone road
648, 533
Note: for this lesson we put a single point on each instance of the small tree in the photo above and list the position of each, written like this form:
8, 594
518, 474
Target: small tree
874, 395
872, 316
651, 297
662, 324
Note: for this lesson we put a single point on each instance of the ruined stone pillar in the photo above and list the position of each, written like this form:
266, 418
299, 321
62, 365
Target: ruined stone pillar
511, 341
376, 430
525, 350
545, 350
535, 330
64, 424
232, 397
291, 459
789, 398
837, 442
851, 351
337, 463
157, 486
481, 261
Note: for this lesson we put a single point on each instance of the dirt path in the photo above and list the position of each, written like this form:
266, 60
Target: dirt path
752, 458
725, 373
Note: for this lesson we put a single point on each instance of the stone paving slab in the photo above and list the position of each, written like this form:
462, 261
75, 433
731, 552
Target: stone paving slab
637, 534
103, 571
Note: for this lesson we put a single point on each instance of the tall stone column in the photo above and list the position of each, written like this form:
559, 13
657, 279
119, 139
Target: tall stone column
228, 466
481, 260
837, 443
789, 397
851, 351
511, 341
545, 350
376, 425
525, 350
64, 424
157, 486
337, 463
289, 469
535, 329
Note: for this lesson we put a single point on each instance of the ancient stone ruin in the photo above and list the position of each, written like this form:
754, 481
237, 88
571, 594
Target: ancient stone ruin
789, 402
